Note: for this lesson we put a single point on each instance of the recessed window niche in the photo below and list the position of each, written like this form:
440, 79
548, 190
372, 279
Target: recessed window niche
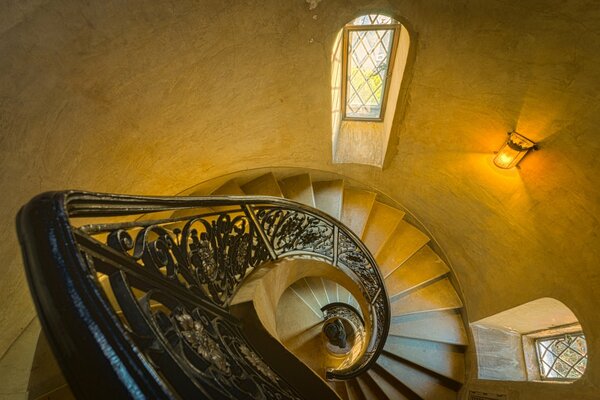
537, 341
367, 69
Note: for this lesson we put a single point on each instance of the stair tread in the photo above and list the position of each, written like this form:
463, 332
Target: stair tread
441, 326
426, 386
445, 359
436, 296
294, 318
264, 185
356, 207
229, 188
329, 196
304, 292
424, 266
369, 388
298, 188
382, 222
316, 285
353, 390
343, 294
331, 290
405, 241
392, 390
340, 388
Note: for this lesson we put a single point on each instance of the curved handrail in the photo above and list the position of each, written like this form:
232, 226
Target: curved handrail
201, 256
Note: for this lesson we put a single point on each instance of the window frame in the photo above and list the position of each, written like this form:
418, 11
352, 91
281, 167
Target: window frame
395, 28
551, 368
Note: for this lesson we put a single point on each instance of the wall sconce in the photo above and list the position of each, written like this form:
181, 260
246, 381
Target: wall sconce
513, 151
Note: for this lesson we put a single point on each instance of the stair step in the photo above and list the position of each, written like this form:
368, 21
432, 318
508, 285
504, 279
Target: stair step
229, 188
423, 267
298, 188
440, 326
356, 207
405, 241
425, 385
340, 388
353, 390
436, 296
329, 196
331, 290
392, 389
264, 185
304, 292
354, 303
343, 294
444, 359
294, 319
381, 224
369, 388
316, 286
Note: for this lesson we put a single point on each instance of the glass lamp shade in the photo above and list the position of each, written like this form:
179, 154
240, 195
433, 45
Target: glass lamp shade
513, 151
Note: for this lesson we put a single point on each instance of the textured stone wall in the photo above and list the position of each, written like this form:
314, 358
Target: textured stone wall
153, 97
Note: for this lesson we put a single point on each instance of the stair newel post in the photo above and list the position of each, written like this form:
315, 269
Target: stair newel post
249, 211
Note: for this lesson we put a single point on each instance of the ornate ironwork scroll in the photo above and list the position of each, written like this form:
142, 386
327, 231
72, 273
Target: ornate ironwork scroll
173, 278
209, 255
206, 348
296, 232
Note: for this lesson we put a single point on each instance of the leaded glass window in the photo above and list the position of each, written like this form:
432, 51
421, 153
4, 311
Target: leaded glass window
562, 357
370, 43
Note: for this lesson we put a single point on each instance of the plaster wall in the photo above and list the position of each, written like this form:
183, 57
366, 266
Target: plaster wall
154, 97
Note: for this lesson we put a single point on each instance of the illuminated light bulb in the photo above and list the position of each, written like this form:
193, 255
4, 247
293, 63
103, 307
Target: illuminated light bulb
513, 151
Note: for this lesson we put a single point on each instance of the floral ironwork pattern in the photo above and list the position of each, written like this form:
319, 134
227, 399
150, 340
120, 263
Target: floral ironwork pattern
351, 256
209, 255
258, 363
208, 349
290, 231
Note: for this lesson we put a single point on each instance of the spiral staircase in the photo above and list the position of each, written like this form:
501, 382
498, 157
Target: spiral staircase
147, 311
424, 354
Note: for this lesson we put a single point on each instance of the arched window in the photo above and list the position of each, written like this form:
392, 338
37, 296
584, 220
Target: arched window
368, 49
368, 63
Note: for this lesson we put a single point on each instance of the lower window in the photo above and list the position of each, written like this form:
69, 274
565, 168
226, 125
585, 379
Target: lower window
562, 357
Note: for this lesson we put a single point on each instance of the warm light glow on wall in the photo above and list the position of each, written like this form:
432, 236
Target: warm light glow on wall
513, 151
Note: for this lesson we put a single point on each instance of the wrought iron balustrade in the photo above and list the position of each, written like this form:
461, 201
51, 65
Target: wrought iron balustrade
146, 282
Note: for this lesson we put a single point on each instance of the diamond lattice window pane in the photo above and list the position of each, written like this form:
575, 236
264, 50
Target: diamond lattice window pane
563, 357
368, 61
373, 19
